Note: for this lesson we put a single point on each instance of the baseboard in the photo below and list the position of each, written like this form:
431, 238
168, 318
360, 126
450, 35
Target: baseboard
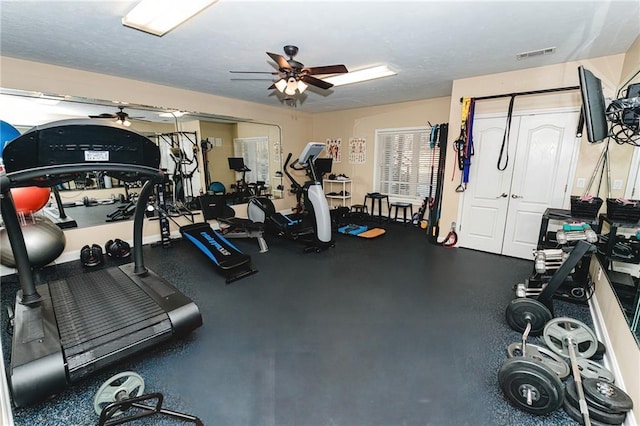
609, 358
74, 255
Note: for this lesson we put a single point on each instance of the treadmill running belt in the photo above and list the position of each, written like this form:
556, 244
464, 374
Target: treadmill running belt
101, 315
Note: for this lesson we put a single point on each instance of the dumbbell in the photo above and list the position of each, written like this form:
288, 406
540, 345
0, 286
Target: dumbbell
576, 232
91, 256
117, 248
549, 259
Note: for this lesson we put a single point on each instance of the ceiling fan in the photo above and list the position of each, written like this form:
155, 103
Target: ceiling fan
120, 116
294, 76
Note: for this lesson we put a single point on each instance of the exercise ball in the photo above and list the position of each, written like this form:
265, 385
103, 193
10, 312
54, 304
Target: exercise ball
7, 134
44, 241
217, 188
30, 199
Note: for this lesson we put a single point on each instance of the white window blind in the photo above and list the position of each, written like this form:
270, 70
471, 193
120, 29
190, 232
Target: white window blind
255, 152
407, 166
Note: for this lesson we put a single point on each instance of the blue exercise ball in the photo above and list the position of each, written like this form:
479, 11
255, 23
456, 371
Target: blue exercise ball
7, 134
217, 188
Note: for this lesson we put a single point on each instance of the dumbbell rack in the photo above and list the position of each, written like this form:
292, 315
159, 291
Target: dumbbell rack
546, 242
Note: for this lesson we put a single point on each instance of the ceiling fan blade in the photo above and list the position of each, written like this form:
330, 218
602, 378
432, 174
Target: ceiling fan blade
316, 82
282, 62
103, 115
255, 72
273, 86
328, 69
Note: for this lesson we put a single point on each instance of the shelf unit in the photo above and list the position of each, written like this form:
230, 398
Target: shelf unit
560, 215
337, 187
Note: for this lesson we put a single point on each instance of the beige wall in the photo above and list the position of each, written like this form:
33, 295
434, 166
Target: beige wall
631, 62
217, 156
363, 122
608, 69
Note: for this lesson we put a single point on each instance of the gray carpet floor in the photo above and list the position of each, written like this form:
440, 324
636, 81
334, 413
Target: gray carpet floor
389, 331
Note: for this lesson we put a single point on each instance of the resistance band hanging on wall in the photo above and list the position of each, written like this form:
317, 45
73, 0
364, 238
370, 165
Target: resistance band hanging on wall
433, 228
505, 138
464, 144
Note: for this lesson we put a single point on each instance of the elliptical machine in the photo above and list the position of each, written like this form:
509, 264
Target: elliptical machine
312, 222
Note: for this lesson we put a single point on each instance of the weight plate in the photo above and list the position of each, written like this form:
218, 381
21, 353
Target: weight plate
542, 354
591, 369
599, 352
571, 397
559, 332
522, 311
607, 394
530, 385
121, 386
576, 415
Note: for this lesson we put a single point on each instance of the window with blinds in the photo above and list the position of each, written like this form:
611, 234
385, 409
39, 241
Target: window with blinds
406, 163
255, 152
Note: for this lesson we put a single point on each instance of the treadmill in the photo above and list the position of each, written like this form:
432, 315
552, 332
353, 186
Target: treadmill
69, 328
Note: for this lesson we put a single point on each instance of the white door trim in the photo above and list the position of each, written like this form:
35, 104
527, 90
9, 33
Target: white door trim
633, 182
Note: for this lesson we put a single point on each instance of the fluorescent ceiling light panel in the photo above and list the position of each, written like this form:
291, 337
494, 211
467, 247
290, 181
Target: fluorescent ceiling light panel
360, 75
158, 17
171, 114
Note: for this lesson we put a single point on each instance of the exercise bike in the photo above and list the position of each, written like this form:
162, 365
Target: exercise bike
311, 224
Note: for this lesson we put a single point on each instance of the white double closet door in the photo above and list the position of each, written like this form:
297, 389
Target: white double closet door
501, 211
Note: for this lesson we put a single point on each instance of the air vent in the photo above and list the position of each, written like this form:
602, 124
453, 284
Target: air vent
533, 53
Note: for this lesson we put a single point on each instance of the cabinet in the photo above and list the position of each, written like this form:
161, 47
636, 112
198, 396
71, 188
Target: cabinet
338, 192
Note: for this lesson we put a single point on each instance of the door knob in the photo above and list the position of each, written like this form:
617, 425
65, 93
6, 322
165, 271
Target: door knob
516, 196
503, 195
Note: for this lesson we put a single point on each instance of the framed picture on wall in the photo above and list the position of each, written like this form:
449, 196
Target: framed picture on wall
334, 150
357, 150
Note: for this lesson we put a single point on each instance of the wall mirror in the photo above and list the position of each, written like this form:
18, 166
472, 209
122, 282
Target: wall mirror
195, 150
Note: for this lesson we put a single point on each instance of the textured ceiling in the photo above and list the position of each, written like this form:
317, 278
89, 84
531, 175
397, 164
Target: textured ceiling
429, 43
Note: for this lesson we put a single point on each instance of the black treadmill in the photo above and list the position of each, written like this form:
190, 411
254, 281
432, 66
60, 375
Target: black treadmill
66, 329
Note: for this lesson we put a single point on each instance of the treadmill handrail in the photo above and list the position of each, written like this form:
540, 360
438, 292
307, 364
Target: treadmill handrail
30, 177
46, 176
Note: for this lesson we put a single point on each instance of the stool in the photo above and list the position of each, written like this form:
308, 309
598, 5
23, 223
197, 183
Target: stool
359, 208
404, 206
379, 197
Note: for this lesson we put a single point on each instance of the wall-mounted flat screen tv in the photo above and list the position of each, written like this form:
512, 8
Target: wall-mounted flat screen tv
593, 105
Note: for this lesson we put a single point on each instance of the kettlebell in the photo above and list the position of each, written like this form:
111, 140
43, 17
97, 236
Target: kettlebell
117, 248
91, 256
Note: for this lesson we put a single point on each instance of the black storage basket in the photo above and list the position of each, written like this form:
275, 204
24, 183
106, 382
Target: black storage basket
623, 212
587, 208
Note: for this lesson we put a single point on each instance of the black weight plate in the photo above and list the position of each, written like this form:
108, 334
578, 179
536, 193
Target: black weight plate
599, 406
576, 415
521, 311
571, 396
602, 349
517, 375
607, 394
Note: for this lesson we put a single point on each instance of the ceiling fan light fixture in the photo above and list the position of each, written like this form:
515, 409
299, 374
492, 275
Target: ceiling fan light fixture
123, 122
281, 85
158, 17
302, 86
365, 74
292, 86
